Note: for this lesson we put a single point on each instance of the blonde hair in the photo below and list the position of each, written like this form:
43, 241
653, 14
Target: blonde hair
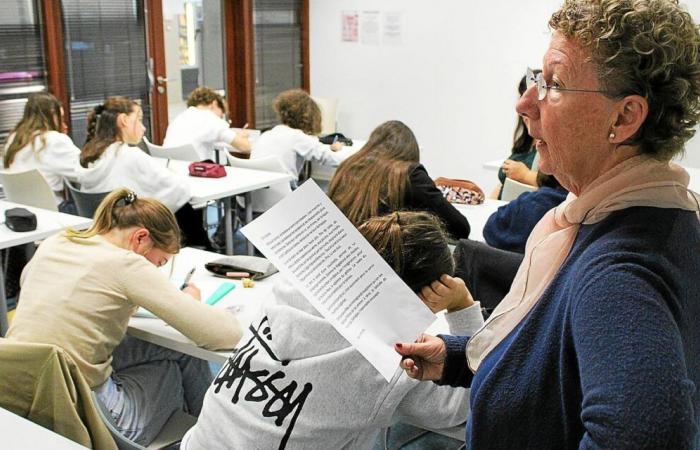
649, 48
123, 209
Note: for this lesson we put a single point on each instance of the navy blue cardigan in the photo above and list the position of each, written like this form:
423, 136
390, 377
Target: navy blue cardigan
610, 355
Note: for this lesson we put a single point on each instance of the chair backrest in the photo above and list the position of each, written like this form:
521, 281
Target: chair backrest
185, 152
329, 113
122, 442
264, 199
28, 188
86, 203
512, 189
535, 162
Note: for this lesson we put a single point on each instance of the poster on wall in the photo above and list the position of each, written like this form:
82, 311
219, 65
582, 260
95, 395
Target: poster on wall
369, 27
350, 26
392, 28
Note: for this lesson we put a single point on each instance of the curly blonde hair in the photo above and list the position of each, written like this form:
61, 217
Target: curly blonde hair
649, 48
296, 109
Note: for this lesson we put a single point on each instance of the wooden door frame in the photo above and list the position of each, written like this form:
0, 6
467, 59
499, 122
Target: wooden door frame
52, 18
155, 43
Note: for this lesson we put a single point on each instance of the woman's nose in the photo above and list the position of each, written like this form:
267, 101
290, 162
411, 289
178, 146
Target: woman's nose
528, 104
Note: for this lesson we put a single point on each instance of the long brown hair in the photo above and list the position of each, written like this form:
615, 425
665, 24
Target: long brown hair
296, 109
123, 209
414, 244
376, 177
42, 113
522, 141
102, 130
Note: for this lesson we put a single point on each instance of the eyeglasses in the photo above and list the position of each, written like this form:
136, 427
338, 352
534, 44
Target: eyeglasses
542, 87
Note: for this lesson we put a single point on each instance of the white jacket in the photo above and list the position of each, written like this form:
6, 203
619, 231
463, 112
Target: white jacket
124, 166
55, 161
200, 127
293, 147
294, 382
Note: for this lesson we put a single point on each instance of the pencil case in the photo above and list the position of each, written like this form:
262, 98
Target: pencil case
257, 267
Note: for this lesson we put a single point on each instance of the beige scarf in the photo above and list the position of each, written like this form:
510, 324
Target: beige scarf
638, 181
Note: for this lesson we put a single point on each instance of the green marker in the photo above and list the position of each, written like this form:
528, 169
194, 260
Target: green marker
220, 293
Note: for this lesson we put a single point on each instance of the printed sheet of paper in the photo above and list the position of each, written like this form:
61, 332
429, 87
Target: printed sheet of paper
313, 244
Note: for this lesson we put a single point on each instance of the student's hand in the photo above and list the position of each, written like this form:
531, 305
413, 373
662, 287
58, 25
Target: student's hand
448, 293
515, 170
192, 290
337, 146
423, 359
241, 142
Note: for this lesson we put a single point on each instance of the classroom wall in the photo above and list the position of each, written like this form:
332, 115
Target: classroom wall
452, 78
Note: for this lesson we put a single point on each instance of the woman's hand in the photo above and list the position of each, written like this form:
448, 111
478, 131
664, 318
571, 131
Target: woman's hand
337, 146
423, 359
448, 293
192, 290
515, 170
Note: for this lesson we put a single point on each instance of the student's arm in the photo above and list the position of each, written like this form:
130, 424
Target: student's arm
310, 148
425, 195
61, 155
159, 181
209, 327
238, 140
636, 389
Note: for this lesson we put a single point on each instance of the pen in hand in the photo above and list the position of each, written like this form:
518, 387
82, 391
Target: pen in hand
188, 278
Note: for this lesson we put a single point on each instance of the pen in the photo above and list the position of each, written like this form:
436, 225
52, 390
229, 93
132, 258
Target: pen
335, 139
188, 278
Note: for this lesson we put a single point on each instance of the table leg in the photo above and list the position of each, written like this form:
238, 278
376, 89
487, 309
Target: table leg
249, 218
3, 301
228, 225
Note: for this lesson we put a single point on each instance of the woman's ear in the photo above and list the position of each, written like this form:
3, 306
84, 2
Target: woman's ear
140, 241
631, 113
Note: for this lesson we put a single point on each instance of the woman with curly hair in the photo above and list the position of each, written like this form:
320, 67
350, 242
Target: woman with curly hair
295, 140
597, 344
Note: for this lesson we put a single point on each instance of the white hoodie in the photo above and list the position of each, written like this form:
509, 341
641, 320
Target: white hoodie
124, 166
294, 382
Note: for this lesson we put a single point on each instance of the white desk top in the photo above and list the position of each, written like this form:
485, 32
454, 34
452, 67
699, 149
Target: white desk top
19, 433
494, 165
325, 172
477, 215
48, 223
237, 181
246, 302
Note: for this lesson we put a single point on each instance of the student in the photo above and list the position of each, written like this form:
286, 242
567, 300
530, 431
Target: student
510, 226
518, 166
386, 175
110, 160
295, 140
81, 288
295, 382
202, 124
39, 142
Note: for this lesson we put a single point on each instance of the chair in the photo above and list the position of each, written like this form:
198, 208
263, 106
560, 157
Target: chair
86, 203
172, 433
264, 199
329, 113
512, 189
185, 152
41, 383
28, 188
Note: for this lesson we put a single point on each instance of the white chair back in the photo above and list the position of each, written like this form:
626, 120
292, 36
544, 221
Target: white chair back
535, 162
185, 152
28, 188
512, 189
329, 113
264, 199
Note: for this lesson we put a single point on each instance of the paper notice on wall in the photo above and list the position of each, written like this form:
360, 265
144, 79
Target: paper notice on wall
350, 26
313, 244
392, 28
369, 27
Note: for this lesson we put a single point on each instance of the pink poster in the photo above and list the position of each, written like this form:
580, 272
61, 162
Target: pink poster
350, 26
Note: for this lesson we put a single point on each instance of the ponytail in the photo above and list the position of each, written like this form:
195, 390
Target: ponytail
123, 209
414, 244
102, 128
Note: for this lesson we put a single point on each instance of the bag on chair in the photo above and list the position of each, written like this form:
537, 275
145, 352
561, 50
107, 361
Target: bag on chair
207, 169
460, 191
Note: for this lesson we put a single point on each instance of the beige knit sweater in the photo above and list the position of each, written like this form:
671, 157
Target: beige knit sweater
80, 297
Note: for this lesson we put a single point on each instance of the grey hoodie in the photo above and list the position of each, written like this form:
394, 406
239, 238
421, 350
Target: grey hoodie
294, 382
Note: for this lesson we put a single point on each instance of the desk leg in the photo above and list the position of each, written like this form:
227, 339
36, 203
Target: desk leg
3, 302
249, 218
228, 225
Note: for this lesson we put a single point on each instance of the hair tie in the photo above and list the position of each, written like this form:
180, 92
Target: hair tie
99, 109
128, 199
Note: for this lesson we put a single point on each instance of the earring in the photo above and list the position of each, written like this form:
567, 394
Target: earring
612, 135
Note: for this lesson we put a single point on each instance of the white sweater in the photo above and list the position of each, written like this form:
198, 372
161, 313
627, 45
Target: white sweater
294, 382
124, 166
200, 127
55, 161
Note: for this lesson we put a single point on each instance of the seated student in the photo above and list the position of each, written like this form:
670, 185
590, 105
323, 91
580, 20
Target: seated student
39, 142
110, 160
79, 291
295, 140
386, 175
510, 226
518, 166
202, 124
295, 382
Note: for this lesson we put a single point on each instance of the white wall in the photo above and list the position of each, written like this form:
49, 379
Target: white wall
452, 79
